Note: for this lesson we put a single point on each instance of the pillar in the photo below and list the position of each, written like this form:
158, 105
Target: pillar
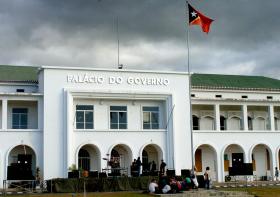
271, 117
245, 117
4, 113
217, 117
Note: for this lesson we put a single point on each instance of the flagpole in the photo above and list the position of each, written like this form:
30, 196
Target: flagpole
190, 86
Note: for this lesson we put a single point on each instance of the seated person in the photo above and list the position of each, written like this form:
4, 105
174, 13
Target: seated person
173, 184
187, 183
166, 189
153, 186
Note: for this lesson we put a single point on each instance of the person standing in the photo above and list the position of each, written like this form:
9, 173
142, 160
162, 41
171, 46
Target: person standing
276, 174
138, 166
194, 178
207, 178
162, 167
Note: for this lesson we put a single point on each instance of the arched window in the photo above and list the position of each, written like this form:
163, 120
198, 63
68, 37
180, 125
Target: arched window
207, 123
223, 123
234, 123
84, 160
195, 121
260, 123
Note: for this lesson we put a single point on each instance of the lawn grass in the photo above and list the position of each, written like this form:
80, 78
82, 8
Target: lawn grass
258, 191
93, 194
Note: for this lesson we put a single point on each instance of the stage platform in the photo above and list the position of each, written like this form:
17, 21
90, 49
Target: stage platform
108, 184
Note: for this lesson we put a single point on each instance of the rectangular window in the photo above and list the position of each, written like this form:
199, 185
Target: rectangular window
118, 117
84, 116
150, 117
19, 118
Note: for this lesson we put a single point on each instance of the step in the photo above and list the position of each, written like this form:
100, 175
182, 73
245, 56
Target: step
209, 193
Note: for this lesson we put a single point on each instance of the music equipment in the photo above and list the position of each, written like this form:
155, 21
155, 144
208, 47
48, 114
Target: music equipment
241, 169
185, 173
93, 174
170, 173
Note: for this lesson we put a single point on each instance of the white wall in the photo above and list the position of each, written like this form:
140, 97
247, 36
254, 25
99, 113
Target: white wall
59, 94
134, 112
32, 112
235, 94
9, 140
11, 88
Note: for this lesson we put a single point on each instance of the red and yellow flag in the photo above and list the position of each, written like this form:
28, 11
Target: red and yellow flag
197, 18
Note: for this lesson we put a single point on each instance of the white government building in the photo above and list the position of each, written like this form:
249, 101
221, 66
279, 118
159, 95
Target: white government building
54, 117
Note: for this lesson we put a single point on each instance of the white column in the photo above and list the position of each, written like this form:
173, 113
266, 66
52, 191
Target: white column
40, 115
70, 153
247, 156
245, 117
273, 164
271, 117
2, 171
169, 157
217, 117
220, 168
4, 113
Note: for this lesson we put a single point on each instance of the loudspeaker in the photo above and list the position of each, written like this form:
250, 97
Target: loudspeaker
25, 161
73, 174
13, 171
242, 169
93, 174
170, 173
18, 171
185, 173
200, 180
102, 175
248, 168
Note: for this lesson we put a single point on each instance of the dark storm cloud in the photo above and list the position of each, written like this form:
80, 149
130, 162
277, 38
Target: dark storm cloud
244, 38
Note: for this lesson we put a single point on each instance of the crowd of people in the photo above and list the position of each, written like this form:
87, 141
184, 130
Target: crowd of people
178, 184
170, 184
150, 168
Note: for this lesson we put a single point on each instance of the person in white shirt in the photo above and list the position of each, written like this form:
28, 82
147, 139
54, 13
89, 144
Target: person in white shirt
166, 189
153, 186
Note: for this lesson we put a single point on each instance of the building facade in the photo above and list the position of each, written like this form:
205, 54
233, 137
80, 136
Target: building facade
236, 119
91, 118
52, 118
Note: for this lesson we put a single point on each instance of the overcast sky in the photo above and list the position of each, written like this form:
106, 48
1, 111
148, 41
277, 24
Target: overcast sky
244, 38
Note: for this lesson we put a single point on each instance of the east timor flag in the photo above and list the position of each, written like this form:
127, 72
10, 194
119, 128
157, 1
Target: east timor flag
197, 18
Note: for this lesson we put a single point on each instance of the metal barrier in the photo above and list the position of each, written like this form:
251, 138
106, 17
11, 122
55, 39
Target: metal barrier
247, 181
24, 186
115, 171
